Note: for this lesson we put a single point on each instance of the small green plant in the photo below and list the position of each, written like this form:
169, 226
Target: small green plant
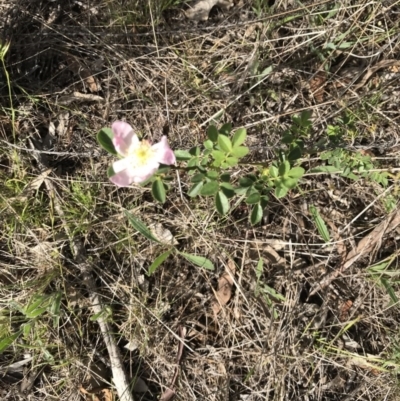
269, 295
260, 7
197, 260
216, 169
386, 277
210, 166
28, 321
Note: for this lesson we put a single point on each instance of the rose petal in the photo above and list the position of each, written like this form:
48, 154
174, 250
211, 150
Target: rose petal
125, 175
164, 153
121, 164
124, 137
144, 172
122, 179
139, 179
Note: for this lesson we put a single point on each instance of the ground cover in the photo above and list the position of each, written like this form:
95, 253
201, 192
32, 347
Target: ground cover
303, 304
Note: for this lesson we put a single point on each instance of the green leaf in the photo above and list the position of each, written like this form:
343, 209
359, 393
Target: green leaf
198, 177
105, 313
256, 214
195, 189
195, 151
26, 329
253, 198
36, 312
210, 188
218, 156
270, 291
200, 261
324, 169
287, 138
295, 153
320, 223
246, 182
296, 172
104, 138
158, 261
281, 190
227, 185
205, 159
380, 268
212, 174
289, 182
212, 133
231, 161
158, 191
208, 144
226, 129
259, 268
225, 177
110, 172
352, 176
138, 225
221, 203
182, 155
225, 143
264, 201
227, 189
305, 117
239, 137
163, 170
346, 171
241, 190
240, 151
273, 171
31, 310
345, 45
150, 179
7, 341
389, 289
193, 162
284, 168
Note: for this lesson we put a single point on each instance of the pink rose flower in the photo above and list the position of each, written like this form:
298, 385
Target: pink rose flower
140, 159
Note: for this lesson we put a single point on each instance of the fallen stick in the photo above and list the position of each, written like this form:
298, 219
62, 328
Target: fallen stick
119, 376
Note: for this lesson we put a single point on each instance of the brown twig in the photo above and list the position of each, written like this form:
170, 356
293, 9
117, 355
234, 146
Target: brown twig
119, 376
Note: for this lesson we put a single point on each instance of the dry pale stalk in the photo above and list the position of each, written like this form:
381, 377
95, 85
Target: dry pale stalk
119, 376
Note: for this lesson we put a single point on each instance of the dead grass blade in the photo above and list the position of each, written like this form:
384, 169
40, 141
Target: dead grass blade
169, 393
364, 247
375, 68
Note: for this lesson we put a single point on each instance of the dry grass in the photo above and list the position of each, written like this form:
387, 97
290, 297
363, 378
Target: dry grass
162, 73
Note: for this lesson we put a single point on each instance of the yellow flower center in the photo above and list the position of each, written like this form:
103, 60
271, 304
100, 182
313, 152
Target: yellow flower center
141, 155
265, 172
